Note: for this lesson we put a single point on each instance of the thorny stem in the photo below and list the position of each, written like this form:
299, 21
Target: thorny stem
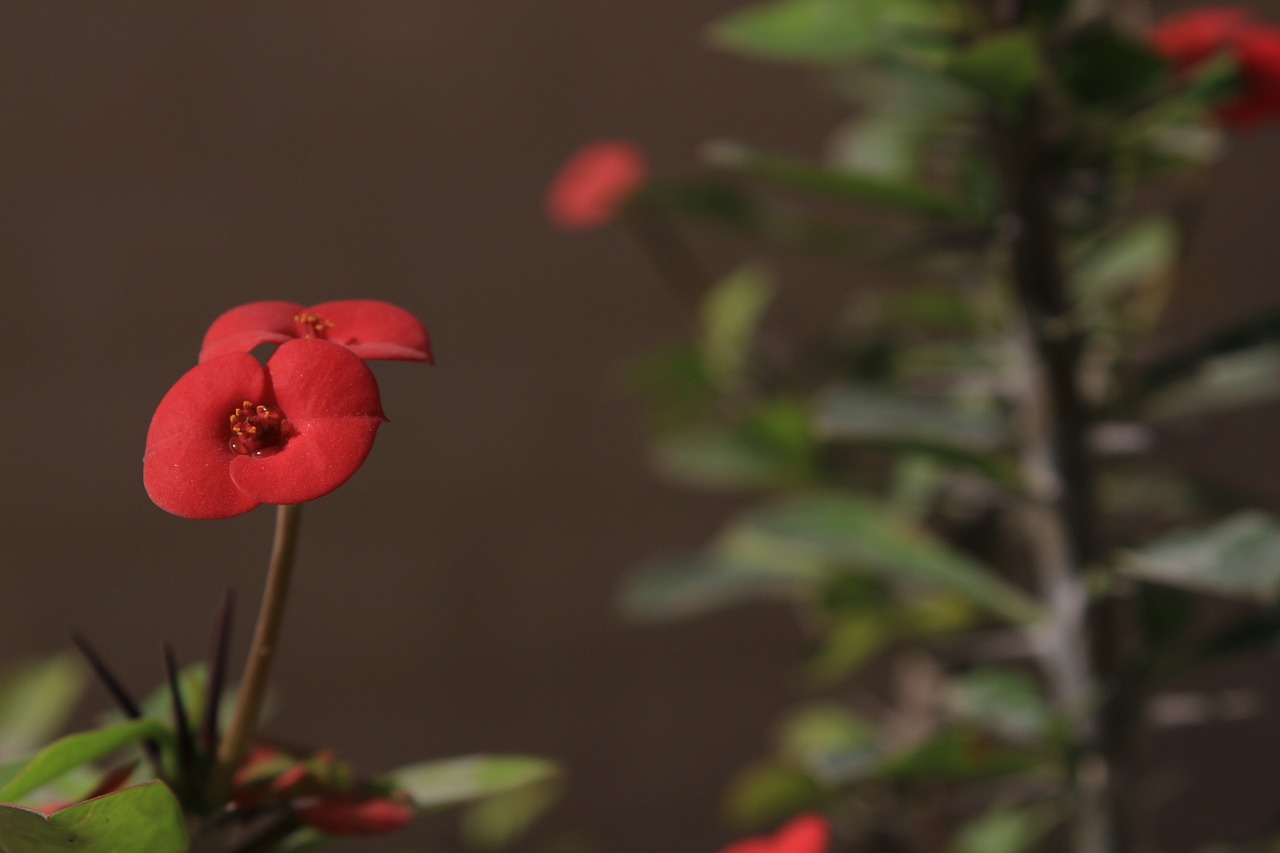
1060, 514
244, 720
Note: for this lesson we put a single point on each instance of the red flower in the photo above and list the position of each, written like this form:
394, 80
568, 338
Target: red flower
1193, 37
592, 186
369, 328
232, 434
808, 833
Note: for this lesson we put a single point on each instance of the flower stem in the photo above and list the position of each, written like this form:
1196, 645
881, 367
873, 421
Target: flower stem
244, 720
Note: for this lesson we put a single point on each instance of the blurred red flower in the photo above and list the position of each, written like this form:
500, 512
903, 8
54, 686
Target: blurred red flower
593, 184
369, 328
231, 434
808, 833
1188, 39
320, 792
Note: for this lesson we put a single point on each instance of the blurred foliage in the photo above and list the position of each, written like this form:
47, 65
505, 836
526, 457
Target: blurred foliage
1016, 184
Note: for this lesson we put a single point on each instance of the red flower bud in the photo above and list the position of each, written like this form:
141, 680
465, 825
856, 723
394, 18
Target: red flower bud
355, 814
594, 183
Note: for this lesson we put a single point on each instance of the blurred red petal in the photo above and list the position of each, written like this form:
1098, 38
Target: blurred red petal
808, 833
591, 187
1192, 37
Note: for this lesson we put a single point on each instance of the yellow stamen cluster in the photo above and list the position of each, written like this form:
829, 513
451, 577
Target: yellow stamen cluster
314, 324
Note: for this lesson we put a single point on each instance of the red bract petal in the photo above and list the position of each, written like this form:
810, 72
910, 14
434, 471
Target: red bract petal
593, 184
808, 833
1194, 36
355, 814
331, 400
243, 328
368, 327
186, 467
375, 330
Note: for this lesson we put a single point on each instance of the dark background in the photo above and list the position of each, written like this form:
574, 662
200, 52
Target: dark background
161, 163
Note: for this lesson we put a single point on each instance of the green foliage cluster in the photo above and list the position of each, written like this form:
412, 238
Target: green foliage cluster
958, 478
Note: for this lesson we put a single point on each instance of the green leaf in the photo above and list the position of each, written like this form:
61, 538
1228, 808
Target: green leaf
1004, 829
832, 31
495, 822
731, 312
1004, 702
448, 782
1254, 332
695, 583
1005, 67
958, 754
1238, 557
773, 445
674, 379
798, 175
850, 642
854, 533
833, 744
1101, 66
1234, 380
880, 415
766, 793
72, 751
36, 698
142, 818
1125, 261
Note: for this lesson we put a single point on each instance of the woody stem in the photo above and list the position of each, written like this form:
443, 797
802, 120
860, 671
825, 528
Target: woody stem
244, 720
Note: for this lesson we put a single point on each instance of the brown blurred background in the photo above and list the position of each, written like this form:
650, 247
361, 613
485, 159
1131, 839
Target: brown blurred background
164, 162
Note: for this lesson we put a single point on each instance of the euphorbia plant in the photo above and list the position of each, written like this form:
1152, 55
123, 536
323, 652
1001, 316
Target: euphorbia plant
957, 474
230, 435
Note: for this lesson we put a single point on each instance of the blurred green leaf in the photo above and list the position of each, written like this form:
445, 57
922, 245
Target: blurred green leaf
731, 313
36, 698
773, 445
452, 781
72, 751
1256, 332
675, 379
1005, 67
958, 754
882, 415
497, 821
832, 31
832, 743
769, 792
1238, 557
142, 819
1126, 260
1232, 380
1005, 702
1004, 829
855, 533
850, 641
695, 583
1101, 66
803, 177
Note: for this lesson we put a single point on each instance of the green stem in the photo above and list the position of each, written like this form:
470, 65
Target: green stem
235, 743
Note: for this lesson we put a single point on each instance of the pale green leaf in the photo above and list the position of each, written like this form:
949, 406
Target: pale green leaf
452, 781
73, 751
730, 315
36, 698
1237, 557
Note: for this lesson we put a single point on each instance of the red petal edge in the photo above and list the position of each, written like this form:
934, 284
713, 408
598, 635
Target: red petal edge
376, 330
246, 326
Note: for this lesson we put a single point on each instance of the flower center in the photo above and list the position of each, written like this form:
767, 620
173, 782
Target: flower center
258, 430
312, 325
